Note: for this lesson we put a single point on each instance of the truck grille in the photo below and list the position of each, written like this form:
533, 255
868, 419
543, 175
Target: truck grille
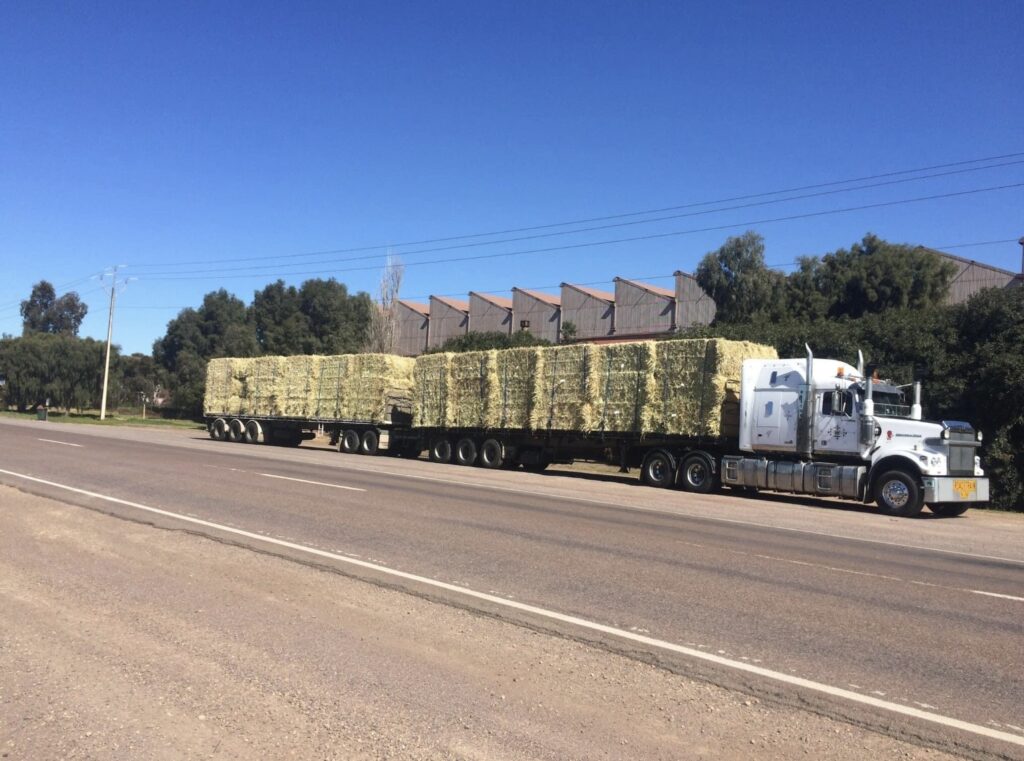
961, 454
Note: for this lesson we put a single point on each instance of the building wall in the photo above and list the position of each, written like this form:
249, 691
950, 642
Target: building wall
639, 311
693, 305
972, 277
445, 322
411, 331
593, 317
544, 318
485, 316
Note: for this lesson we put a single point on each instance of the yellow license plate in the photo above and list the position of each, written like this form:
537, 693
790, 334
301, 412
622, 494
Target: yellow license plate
965, 487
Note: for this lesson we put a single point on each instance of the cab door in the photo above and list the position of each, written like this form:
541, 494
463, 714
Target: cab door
836, 423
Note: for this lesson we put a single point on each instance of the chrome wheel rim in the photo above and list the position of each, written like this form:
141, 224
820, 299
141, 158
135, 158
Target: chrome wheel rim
896, 494
696, 473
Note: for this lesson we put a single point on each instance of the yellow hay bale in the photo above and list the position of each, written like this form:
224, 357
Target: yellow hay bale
432, 374
510, 400
565, 389
692, 384
376, 387
217, 395
472, 377
296, 386
625, 388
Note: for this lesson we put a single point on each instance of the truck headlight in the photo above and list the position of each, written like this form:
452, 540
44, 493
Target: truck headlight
945, 433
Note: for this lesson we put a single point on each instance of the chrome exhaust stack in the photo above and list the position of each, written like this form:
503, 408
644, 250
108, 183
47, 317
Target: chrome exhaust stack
805, 423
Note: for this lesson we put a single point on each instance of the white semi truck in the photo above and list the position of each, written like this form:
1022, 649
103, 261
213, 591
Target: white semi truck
825, 427
802, 426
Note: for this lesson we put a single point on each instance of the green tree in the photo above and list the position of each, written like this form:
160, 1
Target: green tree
44, 312
220, 327
65, 370
872, 276
281, 326
320, 317
490, 339
739, 281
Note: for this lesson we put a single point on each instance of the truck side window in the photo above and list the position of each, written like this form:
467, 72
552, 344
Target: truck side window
774, 379
826, 403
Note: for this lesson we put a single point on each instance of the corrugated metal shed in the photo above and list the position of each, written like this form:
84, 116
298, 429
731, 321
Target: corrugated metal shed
489, 313
590, 310
693, 305
412, 327
448, 318
971, 277
642, 308
542, 312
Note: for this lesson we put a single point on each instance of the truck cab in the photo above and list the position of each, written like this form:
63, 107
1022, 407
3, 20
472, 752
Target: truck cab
826, 427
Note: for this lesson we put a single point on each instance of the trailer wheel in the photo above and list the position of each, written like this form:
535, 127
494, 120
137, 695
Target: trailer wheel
492, 454
370, 442
350, 442
219, 429
658, 469
253, 432
465, 452
236, 430
898, 494
441, 450
696, 475
949, 509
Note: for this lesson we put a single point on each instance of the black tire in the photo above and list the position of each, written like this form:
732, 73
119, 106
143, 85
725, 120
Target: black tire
492, 454
236, 430
441, 450
219, 429
350, 442
253, 432
465, 452
898, 494
949, 509
697, 476
658, 469
370, 443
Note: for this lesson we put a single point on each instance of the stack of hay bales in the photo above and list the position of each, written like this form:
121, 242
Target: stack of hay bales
566, 388
626, 386
375, 386
357, 387
692, 384
432, 377
219, 388
512, 396
472, 388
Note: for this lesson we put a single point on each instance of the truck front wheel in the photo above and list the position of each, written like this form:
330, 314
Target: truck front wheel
898, 494
696, 475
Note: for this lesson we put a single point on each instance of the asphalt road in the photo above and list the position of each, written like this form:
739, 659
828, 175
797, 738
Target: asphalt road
924, 614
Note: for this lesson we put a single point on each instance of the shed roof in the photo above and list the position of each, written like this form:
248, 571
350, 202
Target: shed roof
498, 301
656, 290
423, 309
547, 298
962, 260
593, 292
462, 306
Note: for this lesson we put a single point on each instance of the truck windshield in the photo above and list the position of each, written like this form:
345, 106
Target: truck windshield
890, 403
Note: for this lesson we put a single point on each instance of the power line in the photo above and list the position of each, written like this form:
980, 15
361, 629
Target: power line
634, 239
588, 220
556, 234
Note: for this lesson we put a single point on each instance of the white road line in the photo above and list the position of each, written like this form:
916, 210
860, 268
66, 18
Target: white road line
314, 483
582, 623
838, 569
62, 443
996, 594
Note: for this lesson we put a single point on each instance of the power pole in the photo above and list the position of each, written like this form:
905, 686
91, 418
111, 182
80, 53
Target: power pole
110, 334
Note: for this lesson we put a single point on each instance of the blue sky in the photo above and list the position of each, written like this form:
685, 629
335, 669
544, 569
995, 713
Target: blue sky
170, 136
